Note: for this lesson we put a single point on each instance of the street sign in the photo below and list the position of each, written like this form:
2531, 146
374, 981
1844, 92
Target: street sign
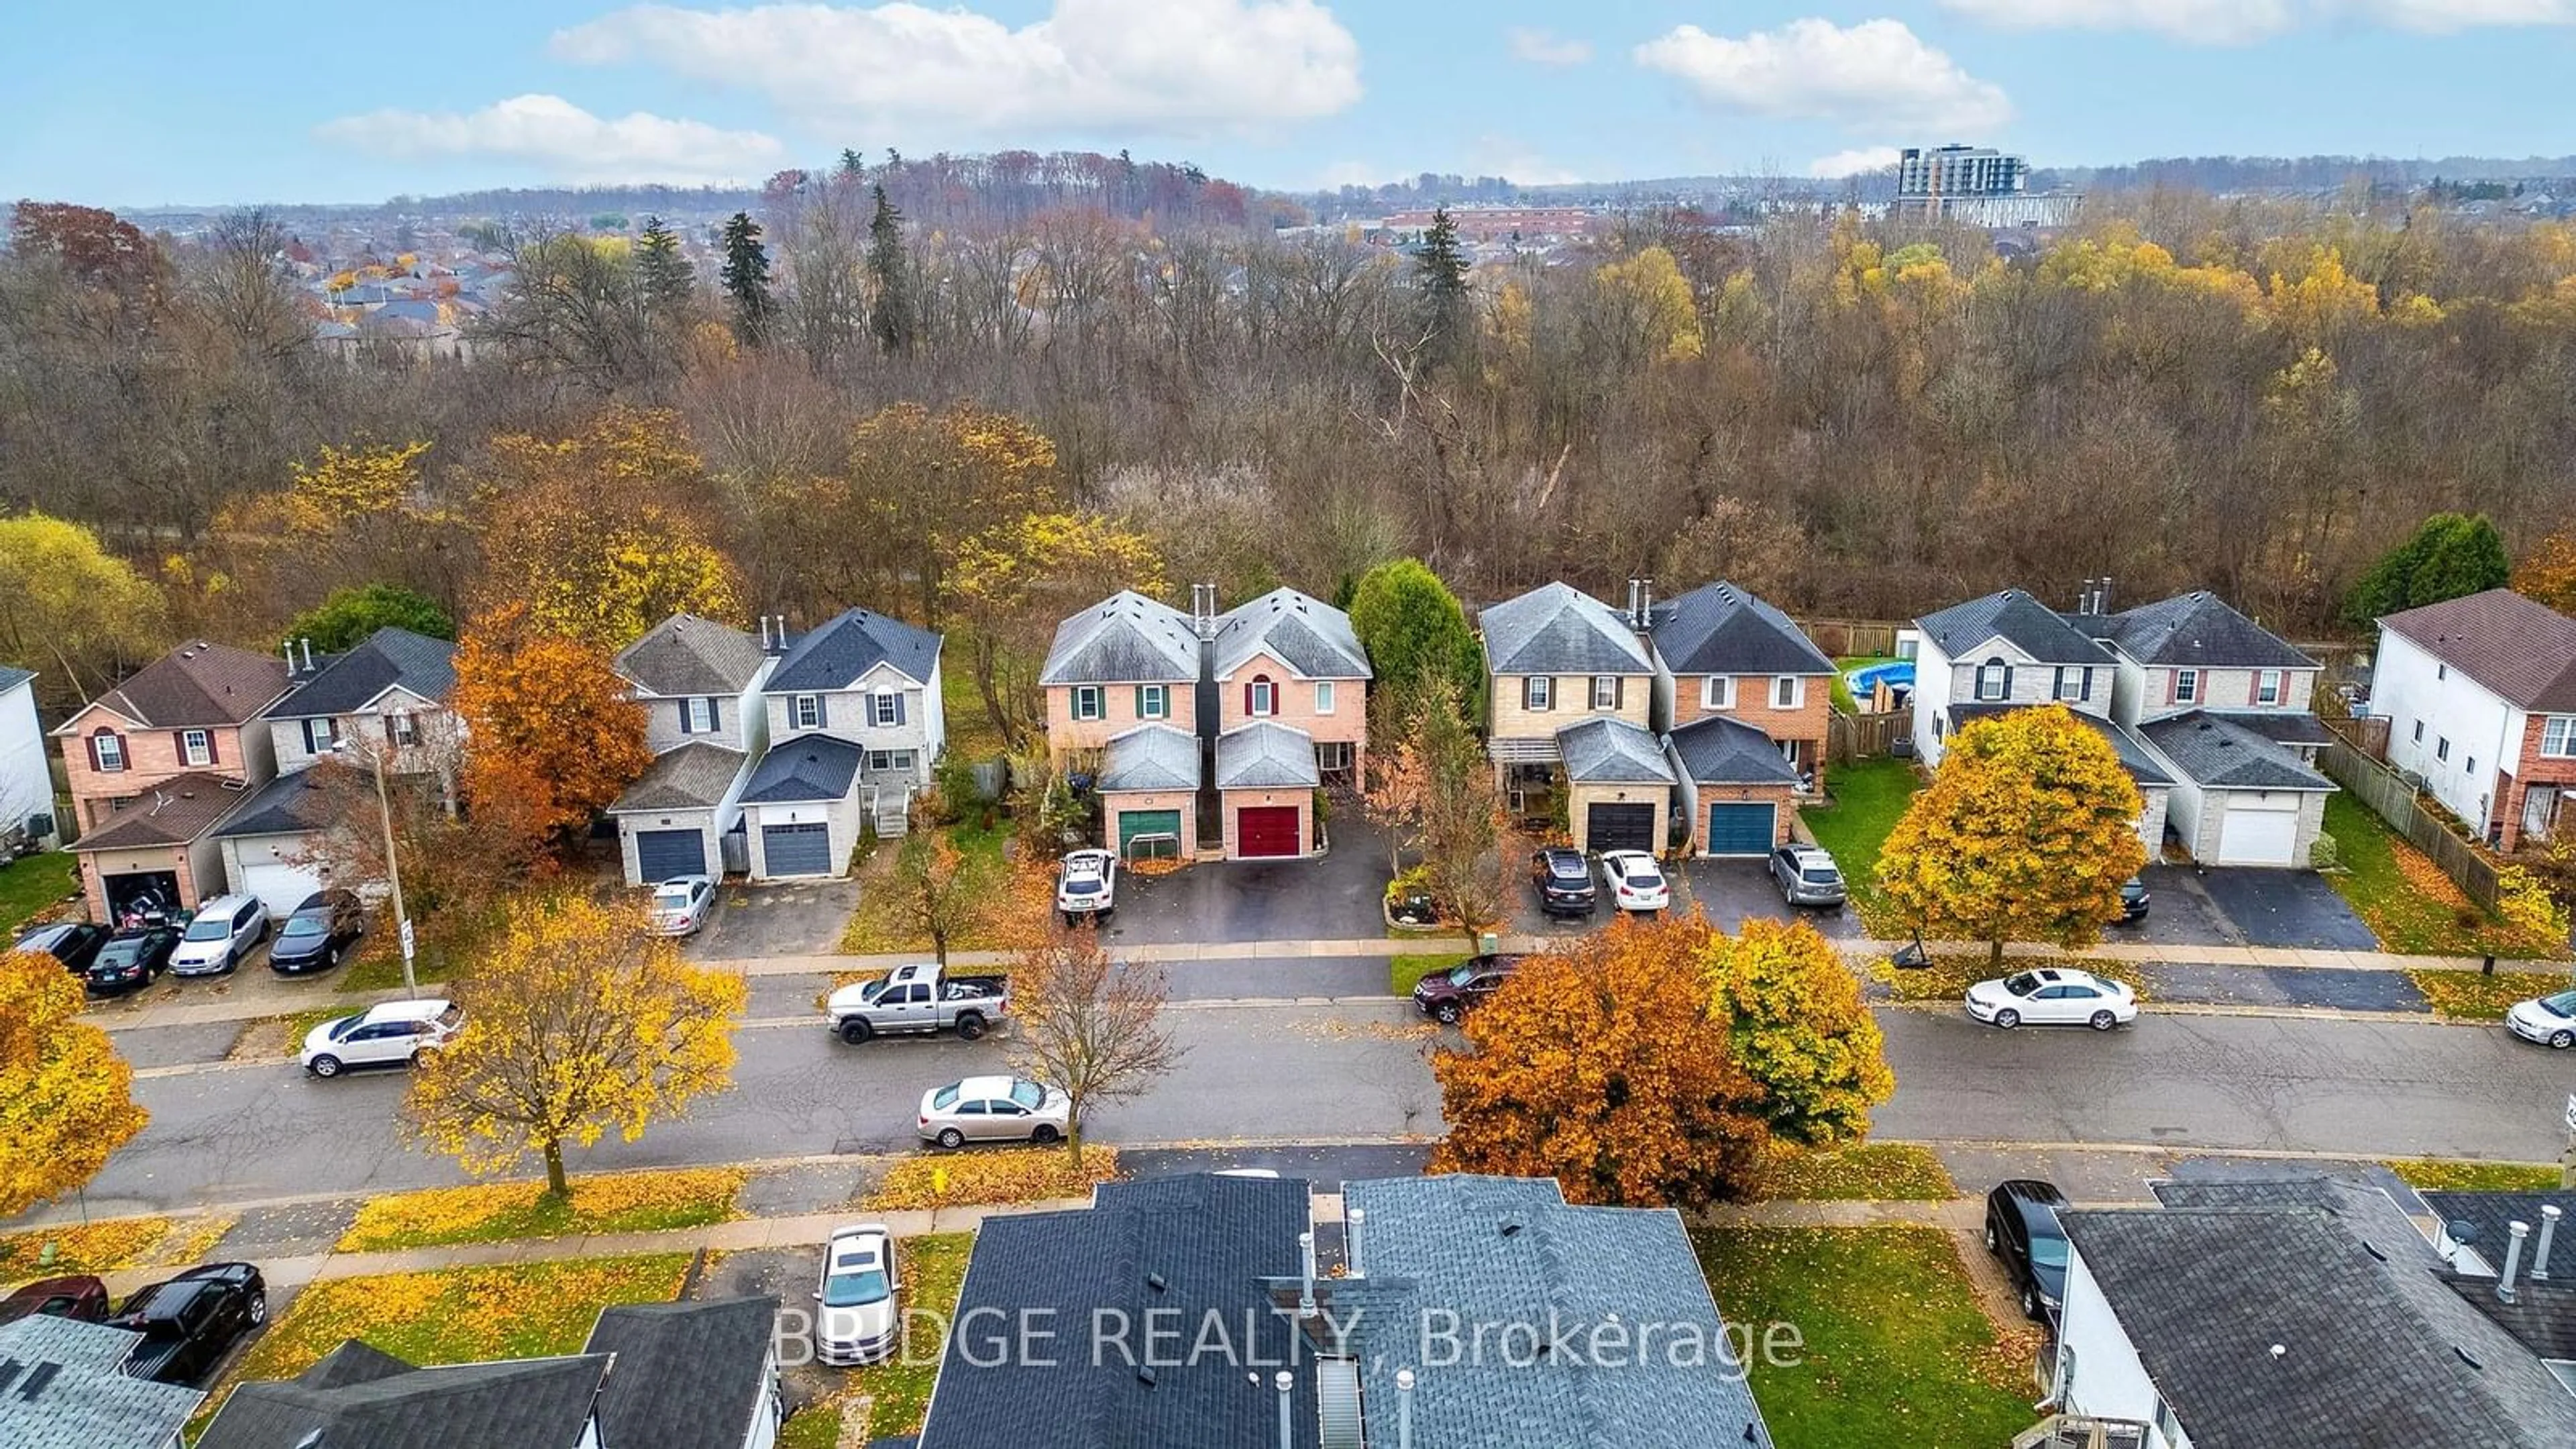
406, 948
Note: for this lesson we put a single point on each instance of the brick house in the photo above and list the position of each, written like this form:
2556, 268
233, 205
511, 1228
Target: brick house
1719, 650
1295, 661
1123, 662
2480, 698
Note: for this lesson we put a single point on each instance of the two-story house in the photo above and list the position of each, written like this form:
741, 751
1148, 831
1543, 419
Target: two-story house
1125, 661
64, 1382
1736, 681
156, 762
856, 723
707, 721
383, 701
1556, 658
1296, 662
26, 778
2480, 698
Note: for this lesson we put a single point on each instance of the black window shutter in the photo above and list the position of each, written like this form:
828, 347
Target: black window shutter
898, 706
214, 754
2088, 683
823, 711
715, 713
1619, 692
685, 727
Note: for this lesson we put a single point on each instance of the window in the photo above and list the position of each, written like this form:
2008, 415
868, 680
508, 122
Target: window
320, 735
2186, 686
880, 761
808, 712
2168, 1427
2070, 683
196, 748
701, 718
1717, 692
1534, 692
2419, 732
1153, 701
885, 710
1785, 692
1994, 679
402, 729
109, 750
2442, 750
1086, 701
1605, 691
2267, 686
2471, 767
2441, 671
1323, 696
1331, 755
2557, 736
1260, 697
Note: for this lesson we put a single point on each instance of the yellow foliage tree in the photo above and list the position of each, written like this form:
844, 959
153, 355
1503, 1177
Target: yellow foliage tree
68, 605
1648, 303
2025, 833
66, 1100
344, 483
2547, 574
1014, 581
580, 1021
1797, 1025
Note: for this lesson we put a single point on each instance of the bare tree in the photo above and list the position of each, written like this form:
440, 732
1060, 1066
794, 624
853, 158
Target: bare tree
1089, 1027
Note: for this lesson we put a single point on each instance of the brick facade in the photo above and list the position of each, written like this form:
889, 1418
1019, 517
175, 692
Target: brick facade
1118, 715
1803, 724
2532, 768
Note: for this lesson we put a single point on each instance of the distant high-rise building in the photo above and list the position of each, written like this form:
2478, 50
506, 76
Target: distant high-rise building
1959, 171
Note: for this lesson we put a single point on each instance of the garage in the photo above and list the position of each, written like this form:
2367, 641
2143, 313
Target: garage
150, 890
280, 885
1149, 833
1619, 827
1267, 830
663, 854
797, 849
2257, 832
1740, 828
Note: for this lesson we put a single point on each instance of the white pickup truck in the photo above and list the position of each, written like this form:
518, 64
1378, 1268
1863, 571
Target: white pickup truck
919, 999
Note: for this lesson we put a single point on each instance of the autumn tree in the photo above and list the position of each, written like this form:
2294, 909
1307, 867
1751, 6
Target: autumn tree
68, 607
1439, 796
1601, 1065
920, 489
345, 619
1797, 1025
578, 1022
66, 1097
1014, 582
940, 891
555, 736
2452, 555
1089, 1027
2547, 574
2025, 833
1413, 628
746, 280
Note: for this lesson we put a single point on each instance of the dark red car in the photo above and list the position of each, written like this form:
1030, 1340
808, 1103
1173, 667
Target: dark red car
1454, 992
79, 1296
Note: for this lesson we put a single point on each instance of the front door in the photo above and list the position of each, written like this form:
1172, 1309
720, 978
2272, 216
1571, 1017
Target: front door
2539, 812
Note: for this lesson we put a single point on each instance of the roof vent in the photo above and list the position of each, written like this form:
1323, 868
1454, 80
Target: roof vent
37, 1377
310, 1441
1145, 1374
1155, 1281
2280, 1351
2372, 1249
1511, 1230
2467, 1358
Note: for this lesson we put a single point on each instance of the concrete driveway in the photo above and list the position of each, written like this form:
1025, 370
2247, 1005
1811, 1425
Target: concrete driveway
2287, 908
795, 918
1335, 897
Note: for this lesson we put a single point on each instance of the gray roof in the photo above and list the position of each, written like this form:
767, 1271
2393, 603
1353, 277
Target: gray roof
836, 654
288, 805
1151, 757
1306, 634
11, 677
387, 658
88, 1402
1606, 750
1266, 756
804, 767
692, 777
2198, 630
2281, 727
1124, 639
2215, 750
685, 656
2020, 620
686, 1375
2135, 757
1721, 629
2492, 1215
198, 684
1444, 1243
1190, 1249
2522, 650
174, 812
1718, 750
1556, 629
374, 1401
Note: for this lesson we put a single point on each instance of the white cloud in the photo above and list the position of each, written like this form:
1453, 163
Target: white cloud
566, 142
1540, 47
2239, 22
1170, 67
1876, 74
1355, 173
1853, 162
1514, 162
2445, 16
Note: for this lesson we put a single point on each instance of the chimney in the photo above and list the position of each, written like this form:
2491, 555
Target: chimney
1306, 1284
1359, 1269
1634, 586
2549, 1215
2102, 596
1203, 609
1287, 1411
1646, 608
2512, 1259
764, 633
308, 655
1404, 1409
289, 648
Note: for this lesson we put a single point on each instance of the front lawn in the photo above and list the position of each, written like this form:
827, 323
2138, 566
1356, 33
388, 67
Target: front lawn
1868, 797
107, 1245
879, 926
493, 1212
2476, 996
1872, 1172
1018, 1174
32, 886
2405, 899
2446, 1174
1406, 972
1891, 1345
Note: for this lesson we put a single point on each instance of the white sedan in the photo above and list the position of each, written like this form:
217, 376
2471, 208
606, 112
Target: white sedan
856, 1321
2548, 1020
1636, 883
2053, 996
682, 903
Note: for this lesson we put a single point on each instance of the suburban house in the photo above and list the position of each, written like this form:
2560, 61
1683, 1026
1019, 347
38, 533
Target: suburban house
2480, 698
1738, 791
2311, 1313
1555, 658
153, 765
26, 781
1265, 784
1124, 662
2009, 651
1295, 662
1618, 785
652, 1376
2224, 705
1149, 793
384, 700
63, 1383
1720, 651
707, 723
855, 724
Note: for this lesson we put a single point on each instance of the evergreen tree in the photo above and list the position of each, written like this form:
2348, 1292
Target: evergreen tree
669, 281
1441, 273
746, 280
853, 165
890, 268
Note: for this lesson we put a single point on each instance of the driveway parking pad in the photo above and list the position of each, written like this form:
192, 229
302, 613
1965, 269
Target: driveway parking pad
792, 918
2292, 908
2318, 986
1338, 896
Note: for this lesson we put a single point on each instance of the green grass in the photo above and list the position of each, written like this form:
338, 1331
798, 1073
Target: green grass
816, 1426
497, 1212
934, 1269
1406, 972
35, 884
1874, 1172
2405, 899
1892, 1346
2443, 1174
1842, 677
1868, 798
2476, 996
971, 735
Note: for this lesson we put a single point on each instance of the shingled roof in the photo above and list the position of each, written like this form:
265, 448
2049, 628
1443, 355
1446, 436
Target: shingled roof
1124, 639
686, 1375
1717, 750
692, 777
2135, 757
2198, 630
836, 654
1150, 757
387, 659
1306, 634
1266, 756
197, 685
1721, 629
2030, 626
174, 812
1558, 629
685, 656
2214, 749
804, 768
1612, 751
2523, 651
291, 804
88, 1401
375, 1401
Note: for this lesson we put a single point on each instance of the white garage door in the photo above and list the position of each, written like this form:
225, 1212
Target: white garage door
280, 887
2259, 837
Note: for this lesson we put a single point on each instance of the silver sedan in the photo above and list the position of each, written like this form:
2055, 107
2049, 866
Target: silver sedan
992, 1109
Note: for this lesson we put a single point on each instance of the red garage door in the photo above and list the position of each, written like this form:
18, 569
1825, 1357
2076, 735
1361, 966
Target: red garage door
1267, 830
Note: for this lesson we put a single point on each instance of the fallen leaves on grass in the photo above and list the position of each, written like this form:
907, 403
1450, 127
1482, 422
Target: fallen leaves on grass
625, 1202
2447, 1174
1951, 974
2476, 996
1874, 1172
1027, 1174
98, 1247
271, 1037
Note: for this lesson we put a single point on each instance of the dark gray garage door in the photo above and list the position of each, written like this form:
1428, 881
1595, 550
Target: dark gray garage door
1740, 829
797, 849
1620, 827
662, 854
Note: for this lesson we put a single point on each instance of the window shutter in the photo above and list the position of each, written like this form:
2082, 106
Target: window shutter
1247, 700
2254, 687
2087, 686
823, 711
715, 713
179, 745
2008, 681
1619, 691
687, 727
898, 707
94, 762
214, 752
1140, 701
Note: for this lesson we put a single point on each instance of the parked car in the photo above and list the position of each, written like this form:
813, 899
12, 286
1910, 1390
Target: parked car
992, 1109
79, 1296
131, 960
190, 1321
224, 931
2022, 1229
2053, 996
74, 943
1563, 882
855, 1317
1807, 876
1446, 996
2133, 900
388, 1034
1636, 882
919, 1000
319, 933
2548, 1020
1086, 885
682, 904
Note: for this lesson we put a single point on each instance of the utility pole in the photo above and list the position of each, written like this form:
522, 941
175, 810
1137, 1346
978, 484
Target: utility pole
393, 865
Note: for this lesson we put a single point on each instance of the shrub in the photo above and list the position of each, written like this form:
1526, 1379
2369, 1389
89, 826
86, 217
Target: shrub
2324, 854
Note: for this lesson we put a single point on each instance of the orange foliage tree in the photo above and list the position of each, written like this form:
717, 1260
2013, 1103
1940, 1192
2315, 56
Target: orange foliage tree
551, 736
2547, 574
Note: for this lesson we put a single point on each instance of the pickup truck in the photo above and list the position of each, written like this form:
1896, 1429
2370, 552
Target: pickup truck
922, 999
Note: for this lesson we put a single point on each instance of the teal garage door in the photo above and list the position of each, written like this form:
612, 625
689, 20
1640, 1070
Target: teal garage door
1149, 833
1741, 829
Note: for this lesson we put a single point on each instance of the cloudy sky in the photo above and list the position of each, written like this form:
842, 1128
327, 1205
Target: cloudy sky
158, 101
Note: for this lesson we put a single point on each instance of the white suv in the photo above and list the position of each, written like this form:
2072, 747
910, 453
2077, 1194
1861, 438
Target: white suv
220, 936
389, 1034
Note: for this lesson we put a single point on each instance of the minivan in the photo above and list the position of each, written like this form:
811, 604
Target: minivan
223, 931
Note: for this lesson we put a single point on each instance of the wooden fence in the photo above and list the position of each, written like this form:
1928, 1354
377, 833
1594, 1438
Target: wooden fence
2393, 800
1850, 737
1851, 638
2368, 735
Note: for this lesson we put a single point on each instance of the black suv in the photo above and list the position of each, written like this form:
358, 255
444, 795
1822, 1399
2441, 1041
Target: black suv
74, 943
319, 933
1563, 881
132, 960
